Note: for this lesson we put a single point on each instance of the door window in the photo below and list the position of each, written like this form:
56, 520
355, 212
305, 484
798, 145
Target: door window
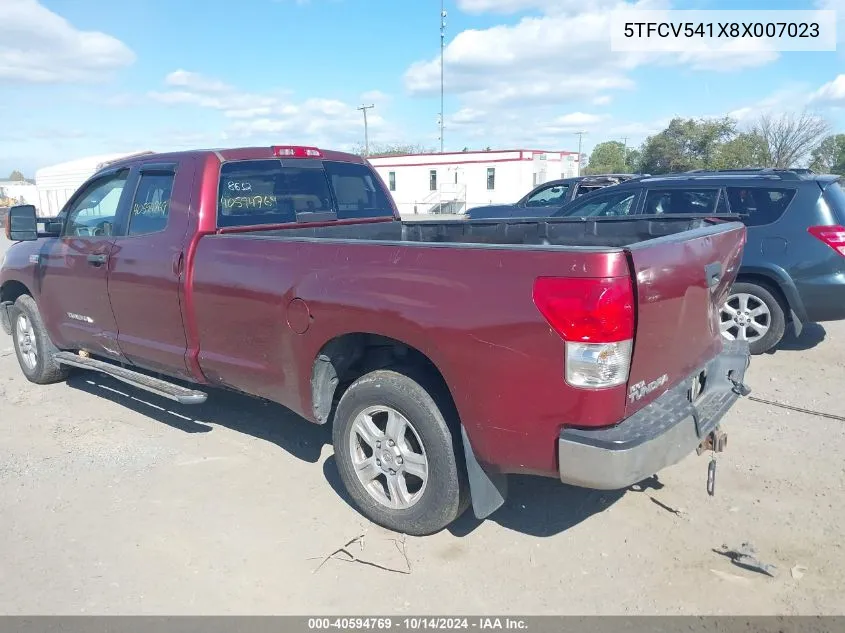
686, 201
615, 204
548, 196
761, 205
93, 213
151, 205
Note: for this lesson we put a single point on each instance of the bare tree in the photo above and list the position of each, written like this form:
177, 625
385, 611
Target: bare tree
791, 137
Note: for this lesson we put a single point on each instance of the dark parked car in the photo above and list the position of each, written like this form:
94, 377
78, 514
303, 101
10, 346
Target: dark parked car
793, 267
550, 195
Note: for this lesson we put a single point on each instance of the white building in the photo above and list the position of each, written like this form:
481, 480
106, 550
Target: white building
57, 183
18, 192
453, 182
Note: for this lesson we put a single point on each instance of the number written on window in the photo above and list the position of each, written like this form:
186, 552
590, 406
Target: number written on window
151, 206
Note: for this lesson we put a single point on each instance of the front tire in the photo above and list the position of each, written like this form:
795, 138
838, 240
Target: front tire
752, 313
34, 349
396, 454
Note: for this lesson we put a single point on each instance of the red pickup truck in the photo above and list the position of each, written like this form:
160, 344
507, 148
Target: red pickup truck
445, 354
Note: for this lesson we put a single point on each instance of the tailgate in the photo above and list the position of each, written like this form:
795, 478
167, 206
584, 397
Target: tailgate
680, 281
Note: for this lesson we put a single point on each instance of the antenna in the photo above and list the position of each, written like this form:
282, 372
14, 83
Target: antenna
442, 47
580, 134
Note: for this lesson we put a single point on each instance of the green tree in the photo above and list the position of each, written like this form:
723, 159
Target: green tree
612, 157
829, 156
16, 175
747, 149
686, 144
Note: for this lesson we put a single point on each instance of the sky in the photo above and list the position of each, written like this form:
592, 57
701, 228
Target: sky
86, 77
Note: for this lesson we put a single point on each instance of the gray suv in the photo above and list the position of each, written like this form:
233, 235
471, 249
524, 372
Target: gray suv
793, 267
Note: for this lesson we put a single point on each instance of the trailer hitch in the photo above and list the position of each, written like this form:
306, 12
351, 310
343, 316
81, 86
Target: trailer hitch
715, 442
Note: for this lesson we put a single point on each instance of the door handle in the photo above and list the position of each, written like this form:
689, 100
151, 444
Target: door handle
713, 272
97, 260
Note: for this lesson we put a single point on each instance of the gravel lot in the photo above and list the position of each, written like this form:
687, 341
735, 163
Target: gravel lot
116, 502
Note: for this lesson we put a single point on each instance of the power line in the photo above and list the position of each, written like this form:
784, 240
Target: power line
364, 109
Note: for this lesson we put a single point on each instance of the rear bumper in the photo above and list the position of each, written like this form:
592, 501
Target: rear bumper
823, 297
657, 436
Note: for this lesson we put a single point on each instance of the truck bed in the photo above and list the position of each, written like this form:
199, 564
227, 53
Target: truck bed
601, 233
461, 294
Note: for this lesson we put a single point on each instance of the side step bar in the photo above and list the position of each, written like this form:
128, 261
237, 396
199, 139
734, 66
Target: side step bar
162, 388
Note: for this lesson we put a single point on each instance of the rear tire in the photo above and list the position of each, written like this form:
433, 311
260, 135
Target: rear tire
396, 455
754, 314
34, 349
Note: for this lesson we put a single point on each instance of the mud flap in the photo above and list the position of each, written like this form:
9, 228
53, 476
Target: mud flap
796, 323
488, 491
5, 317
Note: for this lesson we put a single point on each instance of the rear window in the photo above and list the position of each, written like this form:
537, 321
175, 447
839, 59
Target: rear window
685, 201
761, 205
256, 192
835, 197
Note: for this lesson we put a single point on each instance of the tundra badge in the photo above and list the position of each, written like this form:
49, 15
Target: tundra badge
641, 389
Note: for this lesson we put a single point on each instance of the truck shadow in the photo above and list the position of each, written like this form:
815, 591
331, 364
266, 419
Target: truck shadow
811, 335
536, 506
261, 419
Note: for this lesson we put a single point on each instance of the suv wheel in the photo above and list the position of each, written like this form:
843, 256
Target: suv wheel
752, 313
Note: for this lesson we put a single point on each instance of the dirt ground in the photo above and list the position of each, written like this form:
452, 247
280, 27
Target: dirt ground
116, 502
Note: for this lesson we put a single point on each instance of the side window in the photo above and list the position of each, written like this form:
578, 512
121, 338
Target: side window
548, 196
432, 180
615, 204
151, 205
391, 180
93, 213
689, 201
491, 178
761, 205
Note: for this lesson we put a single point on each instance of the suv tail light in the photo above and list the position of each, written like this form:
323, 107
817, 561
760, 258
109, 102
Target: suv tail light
296, 151
833, 236
595, 318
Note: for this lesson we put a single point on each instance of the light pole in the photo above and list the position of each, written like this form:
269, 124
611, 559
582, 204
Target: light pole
442, 46
580, 134
364, 109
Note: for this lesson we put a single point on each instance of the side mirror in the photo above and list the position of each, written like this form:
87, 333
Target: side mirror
22, 224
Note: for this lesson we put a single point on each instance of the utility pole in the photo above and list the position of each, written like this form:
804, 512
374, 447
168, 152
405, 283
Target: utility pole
625, 151
580, 134
364, 109
442, 47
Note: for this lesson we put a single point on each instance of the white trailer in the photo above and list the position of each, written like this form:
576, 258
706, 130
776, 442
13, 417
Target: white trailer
57, 183
453, 182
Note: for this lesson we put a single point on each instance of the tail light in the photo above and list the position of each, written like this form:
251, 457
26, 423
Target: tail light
833, 236
595, 318
296, 151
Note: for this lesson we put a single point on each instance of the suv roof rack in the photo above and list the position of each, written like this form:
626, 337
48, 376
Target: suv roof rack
784, 174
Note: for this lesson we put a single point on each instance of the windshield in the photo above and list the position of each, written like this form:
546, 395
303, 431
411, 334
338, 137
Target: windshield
254, 192
548, 196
